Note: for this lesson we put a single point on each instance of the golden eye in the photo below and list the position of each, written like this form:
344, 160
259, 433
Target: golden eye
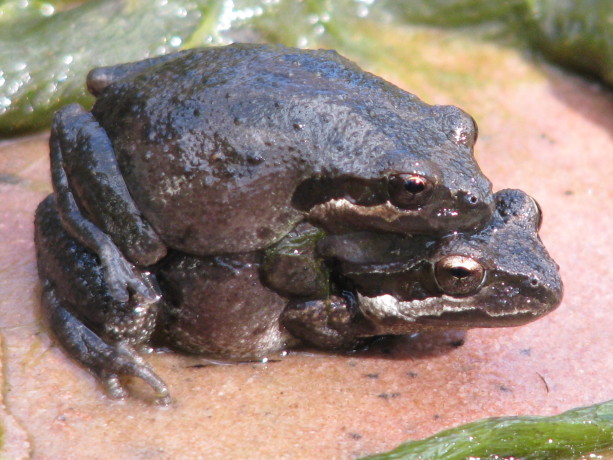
459, 275
409, 191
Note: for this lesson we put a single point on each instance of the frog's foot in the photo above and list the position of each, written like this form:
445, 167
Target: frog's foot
86, 176
121, 277
107, 362
332, 323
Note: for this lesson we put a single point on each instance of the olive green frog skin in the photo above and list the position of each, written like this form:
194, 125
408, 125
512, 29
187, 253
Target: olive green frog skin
248, 305
225, 150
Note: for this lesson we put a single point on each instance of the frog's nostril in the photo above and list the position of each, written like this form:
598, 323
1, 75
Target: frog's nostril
470, 199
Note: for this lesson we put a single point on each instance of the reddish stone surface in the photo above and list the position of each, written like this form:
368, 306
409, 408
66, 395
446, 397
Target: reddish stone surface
548, 133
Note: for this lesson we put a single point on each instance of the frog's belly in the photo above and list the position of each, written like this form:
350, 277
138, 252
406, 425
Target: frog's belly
224, 311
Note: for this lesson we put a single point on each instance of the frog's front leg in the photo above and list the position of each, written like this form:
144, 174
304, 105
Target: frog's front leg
332, 323
94, 328
86, 179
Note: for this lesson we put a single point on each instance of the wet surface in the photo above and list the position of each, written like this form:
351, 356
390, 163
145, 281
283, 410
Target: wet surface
546, 132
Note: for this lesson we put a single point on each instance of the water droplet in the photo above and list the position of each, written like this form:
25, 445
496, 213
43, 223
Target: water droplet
46, 9
160, 50
12, 87
362, 11
313, 19
175, 41
67, 59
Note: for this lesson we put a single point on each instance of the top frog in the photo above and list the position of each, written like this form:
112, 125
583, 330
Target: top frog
225, 150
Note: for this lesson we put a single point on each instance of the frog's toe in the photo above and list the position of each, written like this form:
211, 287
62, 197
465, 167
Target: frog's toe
116, 390
113, 386
126, 361
121, 277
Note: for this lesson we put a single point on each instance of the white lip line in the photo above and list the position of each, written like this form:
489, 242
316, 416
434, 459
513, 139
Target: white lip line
386, 211
387, 306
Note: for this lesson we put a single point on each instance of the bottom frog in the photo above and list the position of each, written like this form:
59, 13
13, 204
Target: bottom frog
331, 292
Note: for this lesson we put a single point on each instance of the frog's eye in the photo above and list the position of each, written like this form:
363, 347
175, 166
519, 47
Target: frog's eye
459, 275
409, 191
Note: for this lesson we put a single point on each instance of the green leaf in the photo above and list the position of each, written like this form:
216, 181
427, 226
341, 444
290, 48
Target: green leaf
566, 436
44, 58
575, 33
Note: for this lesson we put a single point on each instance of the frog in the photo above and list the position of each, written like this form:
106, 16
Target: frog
232, 307
501, 276
224, 150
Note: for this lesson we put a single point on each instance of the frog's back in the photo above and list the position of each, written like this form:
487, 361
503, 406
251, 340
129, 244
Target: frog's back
224, 91
239, 127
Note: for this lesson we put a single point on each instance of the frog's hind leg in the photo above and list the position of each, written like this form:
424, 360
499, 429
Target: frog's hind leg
94, 329
105, 361
87, 180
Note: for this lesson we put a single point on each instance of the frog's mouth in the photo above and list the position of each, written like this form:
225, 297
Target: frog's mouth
393, 316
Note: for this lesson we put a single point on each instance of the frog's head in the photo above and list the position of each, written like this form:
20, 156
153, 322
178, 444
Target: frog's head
423, 179
501, 276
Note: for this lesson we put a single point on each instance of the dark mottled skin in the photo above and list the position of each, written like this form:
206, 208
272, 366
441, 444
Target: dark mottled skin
224, 150
224, 306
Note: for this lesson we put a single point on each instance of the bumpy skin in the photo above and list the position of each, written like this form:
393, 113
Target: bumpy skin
224, 150
225, 306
